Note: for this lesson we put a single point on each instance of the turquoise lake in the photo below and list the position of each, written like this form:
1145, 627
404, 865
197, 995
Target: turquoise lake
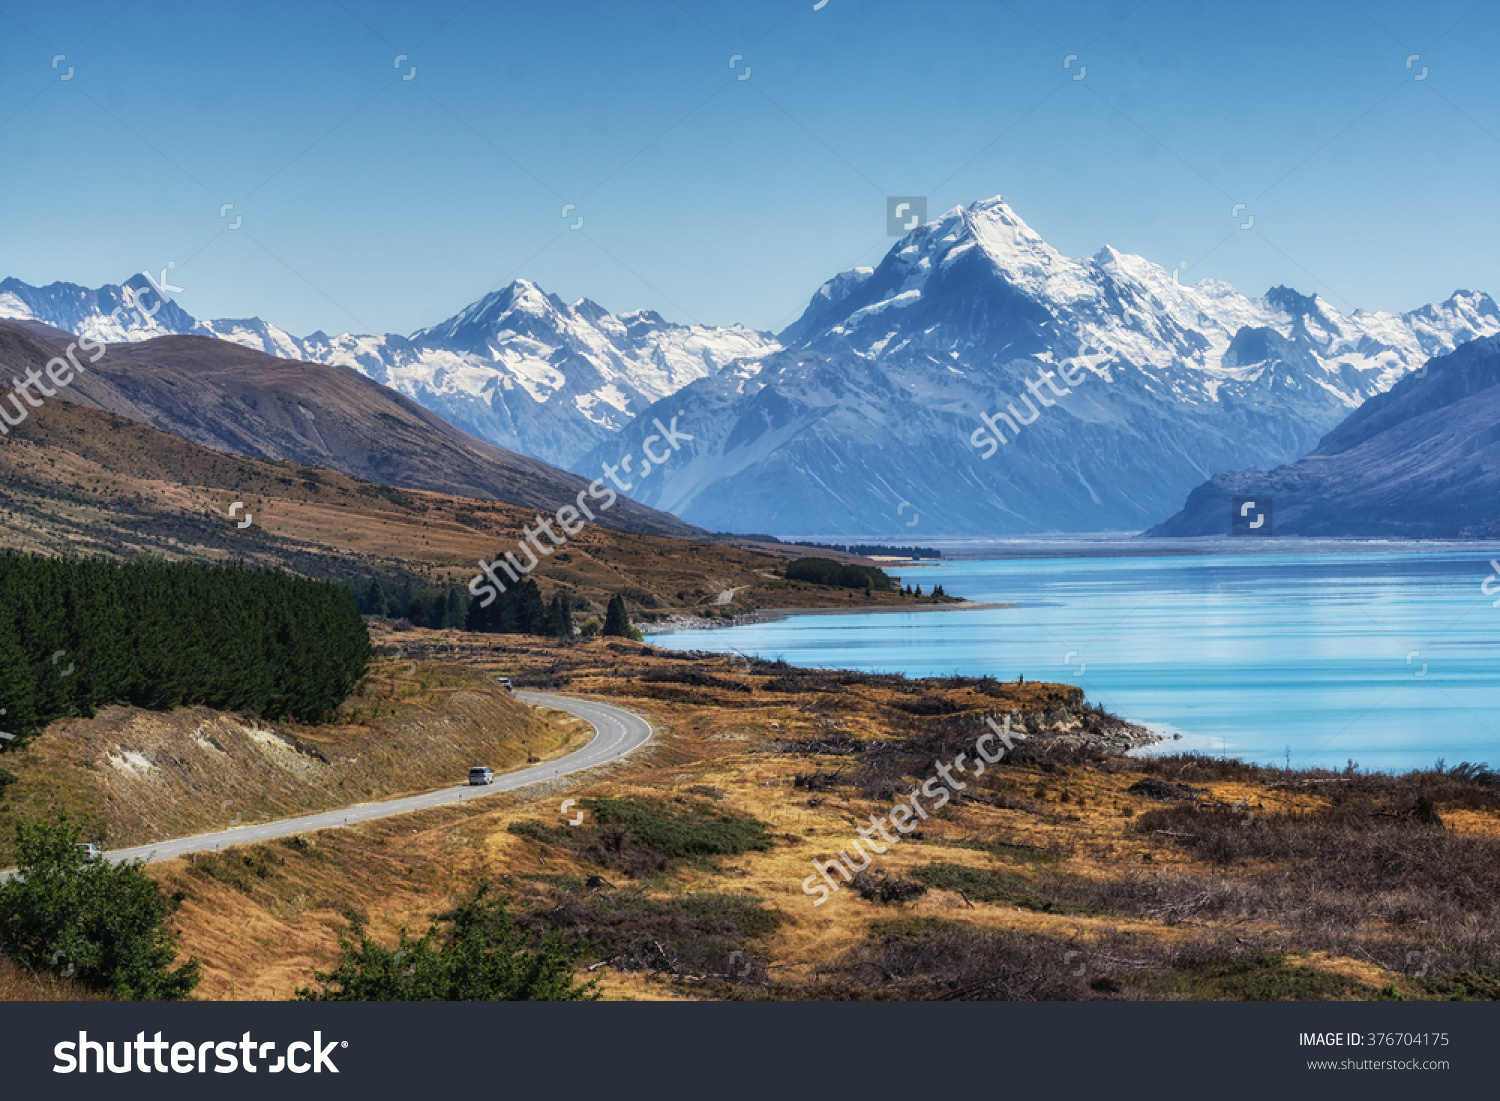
1388, 659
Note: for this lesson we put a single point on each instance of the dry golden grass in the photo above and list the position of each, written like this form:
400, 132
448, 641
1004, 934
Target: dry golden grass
19, 985
262, 926
263, 943
133, 776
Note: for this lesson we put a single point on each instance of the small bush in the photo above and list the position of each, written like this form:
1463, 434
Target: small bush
816, 781
237, 868
1464, 986
885, 888
926, 705
692, 934
481, 956
101, 924
689, 832
547, 835
1264, 977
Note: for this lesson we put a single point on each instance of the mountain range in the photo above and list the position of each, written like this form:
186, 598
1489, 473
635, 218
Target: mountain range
1419, 461
976, 381
519, 368
868, 420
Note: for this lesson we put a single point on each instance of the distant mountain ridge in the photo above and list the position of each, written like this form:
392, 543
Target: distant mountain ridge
519, 368
867, 422
237, 400
1419, 461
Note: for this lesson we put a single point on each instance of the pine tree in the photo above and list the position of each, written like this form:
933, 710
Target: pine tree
373, 600
77, 635
560, 615
453, 615
616, 618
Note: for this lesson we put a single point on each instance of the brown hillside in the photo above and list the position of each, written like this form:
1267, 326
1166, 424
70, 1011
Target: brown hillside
78, 480
230, 398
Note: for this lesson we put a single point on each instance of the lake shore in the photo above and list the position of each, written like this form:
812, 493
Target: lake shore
775, 615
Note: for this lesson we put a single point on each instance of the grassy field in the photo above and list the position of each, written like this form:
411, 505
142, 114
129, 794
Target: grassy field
1064, 872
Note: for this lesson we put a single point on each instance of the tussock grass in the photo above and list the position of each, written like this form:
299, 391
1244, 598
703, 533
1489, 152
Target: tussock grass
20, 985
995, 885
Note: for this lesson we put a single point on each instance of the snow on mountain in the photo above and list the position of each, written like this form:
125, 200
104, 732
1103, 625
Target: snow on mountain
1109, 389
133, 310
1120, 390
519, 368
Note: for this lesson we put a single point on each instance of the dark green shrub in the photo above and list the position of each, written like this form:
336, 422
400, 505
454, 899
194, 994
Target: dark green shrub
993, 885
481, 956
825, 571
692, 831
102, 924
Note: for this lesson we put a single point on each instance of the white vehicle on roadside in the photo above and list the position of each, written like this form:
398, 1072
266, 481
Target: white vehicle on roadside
481, 775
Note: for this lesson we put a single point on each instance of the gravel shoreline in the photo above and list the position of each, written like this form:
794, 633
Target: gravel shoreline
677, 622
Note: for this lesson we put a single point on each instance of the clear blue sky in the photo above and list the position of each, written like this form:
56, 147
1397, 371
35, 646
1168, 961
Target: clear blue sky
373, 202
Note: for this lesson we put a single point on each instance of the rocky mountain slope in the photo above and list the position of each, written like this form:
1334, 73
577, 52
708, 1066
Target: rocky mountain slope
1419, 461
77, 480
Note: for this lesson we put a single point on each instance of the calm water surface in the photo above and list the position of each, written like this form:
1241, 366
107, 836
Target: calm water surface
1388, 659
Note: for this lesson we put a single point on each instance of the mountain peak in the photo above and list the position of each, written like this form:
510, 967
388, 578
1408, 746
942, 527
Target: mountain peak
993, 203
1293, 303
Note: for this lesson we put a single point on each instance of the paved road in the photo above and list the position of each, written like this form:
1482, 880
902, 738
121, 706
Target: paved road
617, 732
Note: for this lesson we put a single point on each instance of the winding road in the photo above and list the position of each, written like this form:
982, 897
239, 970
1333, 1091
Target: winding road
617, 732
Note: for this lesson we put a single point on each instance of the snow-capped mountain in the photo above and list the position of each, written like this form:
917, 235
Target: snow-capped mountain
1110, 391
519, 368
119, 312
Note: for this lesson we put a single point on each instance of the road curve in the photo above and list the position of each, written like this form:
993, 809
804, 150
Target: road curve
617, 732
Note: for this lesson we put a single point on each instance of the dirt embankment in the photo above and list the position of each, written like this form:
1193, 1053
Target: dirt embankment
135, 776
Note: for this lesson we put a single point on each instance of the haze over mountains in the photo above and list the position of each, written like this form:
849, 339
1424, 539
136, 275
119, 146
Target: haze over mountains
1420, 461
863, 417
